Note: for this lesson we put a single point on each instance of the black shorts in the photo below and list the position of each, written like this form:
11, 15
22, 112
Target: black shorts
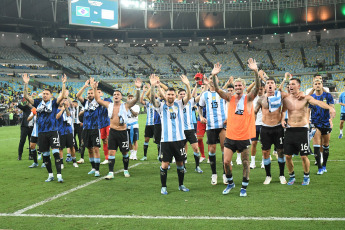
91, 138
324, 131
190, 136
272, 136
118, 139
149, 131
213, 136
296, 141
135, 134
66, 141
258, 130
48, 140
173, 149
33, 139
158, 133
236, 144
342, 116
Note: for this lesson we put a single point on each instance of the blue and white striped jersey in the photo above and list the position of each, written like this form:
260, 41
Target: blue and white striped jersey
35, 129
215, 109
188, 115
150, 113
172, 121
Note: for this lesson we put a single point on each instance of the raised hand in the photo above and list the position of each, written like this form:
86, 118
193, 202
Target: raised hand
153, 80
216, 69
145, 88
184, 79
138, 82
252, 64
64, 78
92, 81
87, 83
288, 76
26, 78
95, 85
206, 80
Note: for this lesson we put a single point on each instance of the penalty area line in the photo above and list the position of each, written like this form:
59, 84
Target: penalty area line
21, 211
270, 218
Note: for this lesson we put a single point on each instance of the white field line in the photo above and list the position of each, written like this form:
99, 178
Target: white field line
66, 192
177, 217
17, 138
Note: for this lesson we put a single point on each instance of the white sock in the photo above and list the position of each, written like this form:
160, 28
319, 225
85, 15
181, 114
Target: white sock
58, 175
50, 174
112, 173
238, 156
253, 159
341, 131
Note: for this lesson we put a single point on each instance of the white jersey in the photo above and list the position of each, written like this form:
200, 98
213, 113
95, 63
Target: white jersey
150, 113
131, 119
172, 121
187, 115
35, 129
258, 120
215, 109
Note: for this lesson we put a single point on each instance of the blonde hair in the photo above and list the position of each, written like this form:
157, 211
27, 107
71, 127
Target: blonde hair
240, 80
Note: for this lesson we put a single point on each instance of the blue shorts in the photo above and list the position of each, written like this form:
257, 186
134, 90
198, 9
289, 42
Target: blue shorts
135, 135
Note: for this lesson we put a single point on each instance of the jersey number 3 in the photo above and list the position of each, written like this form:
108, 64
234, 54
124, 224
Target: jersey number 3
214, 105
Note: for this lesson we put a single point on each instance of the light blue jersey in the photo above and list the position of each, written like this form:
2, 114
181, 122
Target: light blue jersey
172, 121
150, 113
342, 100
188, 115
215, 109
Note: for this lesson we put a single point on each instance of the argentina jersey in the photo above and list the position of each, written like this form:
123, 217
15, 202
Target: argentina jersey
90, 120
215, 109
172, 121
319, 116
150, 110
46, 117
188, 115
35, 128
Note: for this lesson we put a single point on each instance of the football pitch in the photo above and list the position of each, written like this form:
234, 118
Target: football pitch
86, 202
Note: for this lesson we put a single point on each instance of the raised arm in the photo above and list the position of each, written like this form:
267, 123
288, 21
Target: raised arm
197, 99
253, 66
26, 80
188, 96
62, 95
135, 114
287, 76
97, 97
59, 114
81, 91
154, 82
194, 90
130, 104
66, 109
142, 101
250, 87
216, 69
229, 82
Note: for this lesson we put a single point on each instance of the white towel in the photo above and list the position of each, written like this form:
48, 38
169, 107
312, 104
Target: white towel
45, 106
122, 112
67, 119
274, 102
240, 106
91, 106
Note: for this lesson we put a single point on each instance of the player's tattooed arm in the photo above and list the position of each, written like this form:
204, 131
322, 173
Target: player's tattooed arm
99, 100
26, 80
62, 94
221, 93
154, 81
131, 103
145, 89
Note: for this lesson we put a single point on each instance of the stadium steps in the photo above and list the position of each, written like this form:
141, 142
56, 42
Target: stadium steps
55, 65
304, 59
215, 49
113, 49
209, 63
116, 64
180, 48
80, 50
147, 64
148, 50
336, 53
271, 59
177, 63
81, 62
239, 60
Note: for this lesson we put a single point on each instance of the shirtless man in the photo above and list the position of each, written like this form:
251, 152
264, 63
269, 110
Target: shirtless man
118, 136
272, 131
296, 135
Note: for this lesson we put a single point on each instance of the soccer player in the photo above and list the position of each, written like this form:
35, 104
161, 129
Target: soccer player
296, 134
48, 136
65, 123
77, 124
272, 132
321, 120
215, 107
91, 135
118, 135
34, 137
173, 138
189, 130
25, 129
149, 128
342, 113
104, 126
201, 127
240, 125
133, 128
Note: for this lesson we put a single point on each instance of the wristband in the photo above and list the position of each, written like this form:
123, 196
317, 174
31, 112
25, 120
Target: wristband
138, 88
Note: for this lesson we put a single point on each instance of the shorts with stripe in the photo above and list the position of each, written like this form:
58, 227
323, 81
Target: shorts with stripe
48, 140
118, 139
91, 138
296, 141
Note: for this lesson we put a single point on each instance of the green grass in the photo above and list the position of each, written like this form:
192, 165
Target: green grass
140, 194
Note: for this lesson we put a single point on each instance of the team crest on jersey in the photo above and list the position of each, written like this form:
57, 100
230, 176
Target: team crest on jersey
213, 98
